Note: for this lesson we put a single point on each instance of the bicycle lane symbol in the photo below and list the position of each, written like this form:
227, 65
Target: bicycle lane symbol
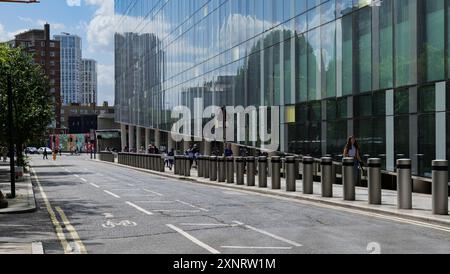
110, 223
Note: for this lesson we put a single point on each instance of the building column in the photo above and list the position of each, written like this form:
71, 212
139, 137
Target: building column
123, 136
186, 145
390, 130
170, 142
206, 148
157, 138
147, 139
138, 139
441, 121
131, 137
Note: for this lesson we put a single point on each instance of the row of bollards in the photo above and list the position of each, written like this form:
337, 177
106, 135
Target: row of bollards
223, 170
144, 161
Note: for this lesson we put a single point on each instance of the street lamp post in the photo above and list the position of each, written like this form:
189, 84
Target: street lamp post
11, 137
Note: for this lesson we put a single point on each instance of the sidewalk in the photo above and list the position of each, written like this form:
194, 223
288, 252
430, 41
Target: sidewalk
422, 203
22, 249
25, 201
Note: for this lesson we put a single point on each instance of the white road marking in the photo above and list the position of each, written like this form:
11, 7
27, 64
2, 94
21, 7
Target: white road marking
193, 239
84, 180
131, 185
193, 206
176, 211
94, 185
112, 194
154, 202
269, 234
153, 192
218, 225
76, 175
139, 208
256, 247
137, 195
108, 215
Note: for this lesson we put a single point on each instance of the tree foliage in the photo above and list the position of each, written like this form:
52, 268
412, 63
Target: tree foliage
32, 99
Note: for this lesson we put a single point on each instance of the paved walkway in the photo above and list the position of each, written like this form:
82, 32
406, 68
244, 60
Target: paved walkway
22, 249
422, 203
25, 200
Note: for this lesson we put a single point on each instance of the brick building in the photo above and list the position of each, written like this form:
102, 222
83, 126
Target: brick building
47, 54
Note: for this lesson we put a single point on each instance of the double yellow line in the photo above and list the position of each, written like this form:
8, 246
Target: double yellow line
68, 249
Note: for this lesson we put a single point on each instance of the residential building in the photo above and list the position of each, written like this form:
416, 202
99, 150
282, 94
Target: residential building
71, 66
46, 52
88, 82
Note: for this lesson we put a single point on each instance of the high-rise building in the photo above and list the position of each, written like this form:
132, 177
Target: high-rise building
70, 67
378, 70
88, 82
46, 52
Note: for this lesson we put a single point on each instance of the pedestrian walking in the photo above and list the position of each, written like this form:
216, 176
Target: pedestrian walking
55, 152
45, 154
353, 150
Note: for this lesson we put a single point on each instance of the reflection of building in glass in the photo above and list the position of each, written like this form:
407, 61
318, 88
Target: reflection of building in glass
336, 67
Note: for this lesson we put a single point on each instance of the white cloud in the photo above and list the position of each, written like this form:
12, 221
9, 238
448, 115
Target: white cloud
73, 3
41, 22
105, 74
8, 35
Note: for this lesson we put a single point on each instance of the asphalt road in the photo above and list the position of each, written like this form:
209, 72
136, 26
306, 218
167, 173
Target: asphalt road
102, 208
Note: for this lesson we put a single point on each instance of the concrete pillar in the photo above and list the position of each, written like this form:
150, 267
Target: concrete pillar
206, 148
235, 149
123, 136
147, 139
138, 139
157, 138
131, 137
170, 142
186, 145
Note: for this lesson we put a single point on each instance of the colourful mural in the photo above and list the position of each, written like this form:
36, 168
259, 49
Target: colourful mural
71, 142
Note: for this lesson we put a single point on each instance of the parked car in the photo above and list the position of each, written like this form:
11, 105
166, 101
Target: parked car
41, 150
31, 150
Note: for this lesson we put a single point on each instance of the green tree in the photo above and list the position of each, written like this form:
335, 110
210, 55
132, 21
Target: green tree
32, 104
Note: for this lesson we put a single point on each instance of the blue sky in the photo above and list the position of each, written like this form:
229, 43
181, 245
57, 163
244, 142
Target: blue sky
90, 19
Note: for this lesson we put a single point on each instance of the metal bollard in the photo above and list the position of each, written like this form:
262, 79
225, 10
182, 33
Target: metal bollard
230, 170
291, 179
162, 164
221, 166
177, 166
374, 181
276, 168
298, 160
213, 168
240, 163
182, 165
187, 166
154, 163
308, 179
262, 172
440, 187
200, 168
404, 184
327, 178
251, 171
348, 179
206, 167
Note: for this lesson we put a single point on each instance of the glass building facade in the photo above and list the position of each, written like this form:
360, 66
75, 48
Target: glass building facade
375, 69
